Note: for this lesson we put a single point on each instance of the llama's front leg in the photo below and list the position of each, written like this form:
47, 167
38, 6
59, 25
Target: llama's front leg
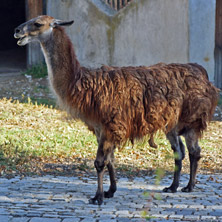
98, 199
102, 159
99, 165
111, 169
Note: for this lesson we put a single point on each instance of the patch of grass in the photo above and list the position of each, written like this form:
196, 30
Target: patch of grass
40, 135
44, 101
34, 136
37, 71
48, 102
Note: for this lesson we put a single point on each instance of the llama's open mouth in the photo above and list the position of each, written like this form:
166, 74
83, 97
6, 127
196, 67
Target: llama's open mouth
22, 39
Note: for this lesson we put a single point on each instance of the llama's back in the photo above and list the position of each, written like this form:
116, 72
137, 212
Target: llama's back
200, 100
191, 98
131, 102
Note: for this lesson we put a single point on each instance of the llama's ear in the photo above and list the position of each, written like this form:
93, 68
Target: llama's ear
57, 22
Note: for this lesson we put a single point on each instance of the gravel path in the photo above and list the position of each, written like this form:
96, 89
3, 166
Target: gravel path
65, 199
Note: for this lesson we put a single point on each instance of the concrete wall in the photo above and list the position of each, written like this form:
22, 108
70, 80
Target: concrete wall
202, 33
144, 33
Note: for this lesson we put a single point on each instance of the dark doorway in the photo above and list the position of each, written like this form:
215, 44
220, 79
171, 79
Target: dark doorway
12, 57
218, 45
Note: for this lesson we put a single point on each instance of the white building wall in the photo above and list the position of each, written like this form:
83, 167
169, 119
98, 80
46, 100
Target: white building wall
144, 33
202, 33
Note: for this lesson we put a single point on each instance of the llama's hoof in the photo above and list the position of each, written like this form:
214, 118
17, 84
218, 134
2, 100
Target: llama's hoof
170, 190
187, 189
108, 194
97, 200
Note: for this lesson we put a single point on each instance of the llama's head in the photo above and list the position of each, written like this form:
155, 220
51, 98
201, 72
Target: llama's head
38, 29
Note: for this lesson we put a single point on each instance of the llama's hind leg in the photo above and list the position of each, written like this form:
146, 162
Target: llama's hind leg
111, 169
194, 156
103, 158
179, 153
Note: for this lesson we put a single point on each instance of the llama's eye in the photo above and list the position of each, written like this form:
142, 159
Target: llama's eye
36, 24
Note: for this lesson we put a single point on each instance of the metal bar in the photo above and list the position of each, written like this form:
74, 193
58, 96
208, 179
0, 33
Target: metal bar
117, 4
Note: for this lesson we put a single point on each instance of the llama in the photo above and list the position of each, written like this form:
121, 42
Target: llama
126, 103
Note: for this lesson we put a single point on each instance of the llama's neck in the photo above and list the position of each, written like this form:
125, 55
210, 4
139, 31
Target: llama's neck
61, 61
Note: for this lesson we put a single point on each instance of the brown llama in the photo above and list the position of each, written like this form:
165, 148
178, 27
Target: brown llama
126, 103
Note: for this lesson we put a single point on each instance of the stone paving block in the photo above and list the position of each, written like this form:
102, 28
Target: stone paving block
154, 210
135, 205
192, 217
167, 213
55, 215
219, 207
4, 199
176, 217
88, 220
106, 217
123, 213
196, 206
137, 220
3, 211
162, 220
160, 216
34, 214
83, 212
180, 206
106, 212
30, 201
4, 218
205, 218
137, 214
187, 221
107, 220
186, 212
20, 219
125, 207
165, 205
216, 213
122, 219
79, 203
41, 219
203, 212
71, 219
18, 213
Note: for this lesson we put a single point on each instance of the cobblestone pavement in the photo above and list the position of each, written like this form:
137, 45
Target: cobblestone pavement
65, 199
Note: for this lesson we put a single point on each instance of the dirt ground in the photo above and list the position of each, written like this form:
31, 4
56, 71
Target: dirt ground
20, 87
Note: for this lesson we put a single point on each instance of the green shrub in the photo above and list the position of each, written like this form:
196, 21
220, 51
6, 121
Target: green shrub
37, 71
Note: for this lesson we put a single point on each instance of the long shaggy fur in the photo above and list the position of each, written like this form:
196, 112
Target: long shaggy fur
131, 102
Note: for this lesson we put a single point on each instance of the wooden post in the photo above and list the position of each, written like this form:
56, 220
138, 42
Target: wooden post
34, 53
120, 4
116, 5
218, 45
124, 2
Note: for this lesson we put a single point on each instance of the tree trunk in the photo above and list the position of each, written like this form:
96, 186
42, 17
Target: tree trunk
34, 54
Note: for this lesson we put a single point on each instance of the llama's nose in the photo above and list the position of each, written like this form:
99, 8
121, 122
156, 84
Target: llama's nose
17, 30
